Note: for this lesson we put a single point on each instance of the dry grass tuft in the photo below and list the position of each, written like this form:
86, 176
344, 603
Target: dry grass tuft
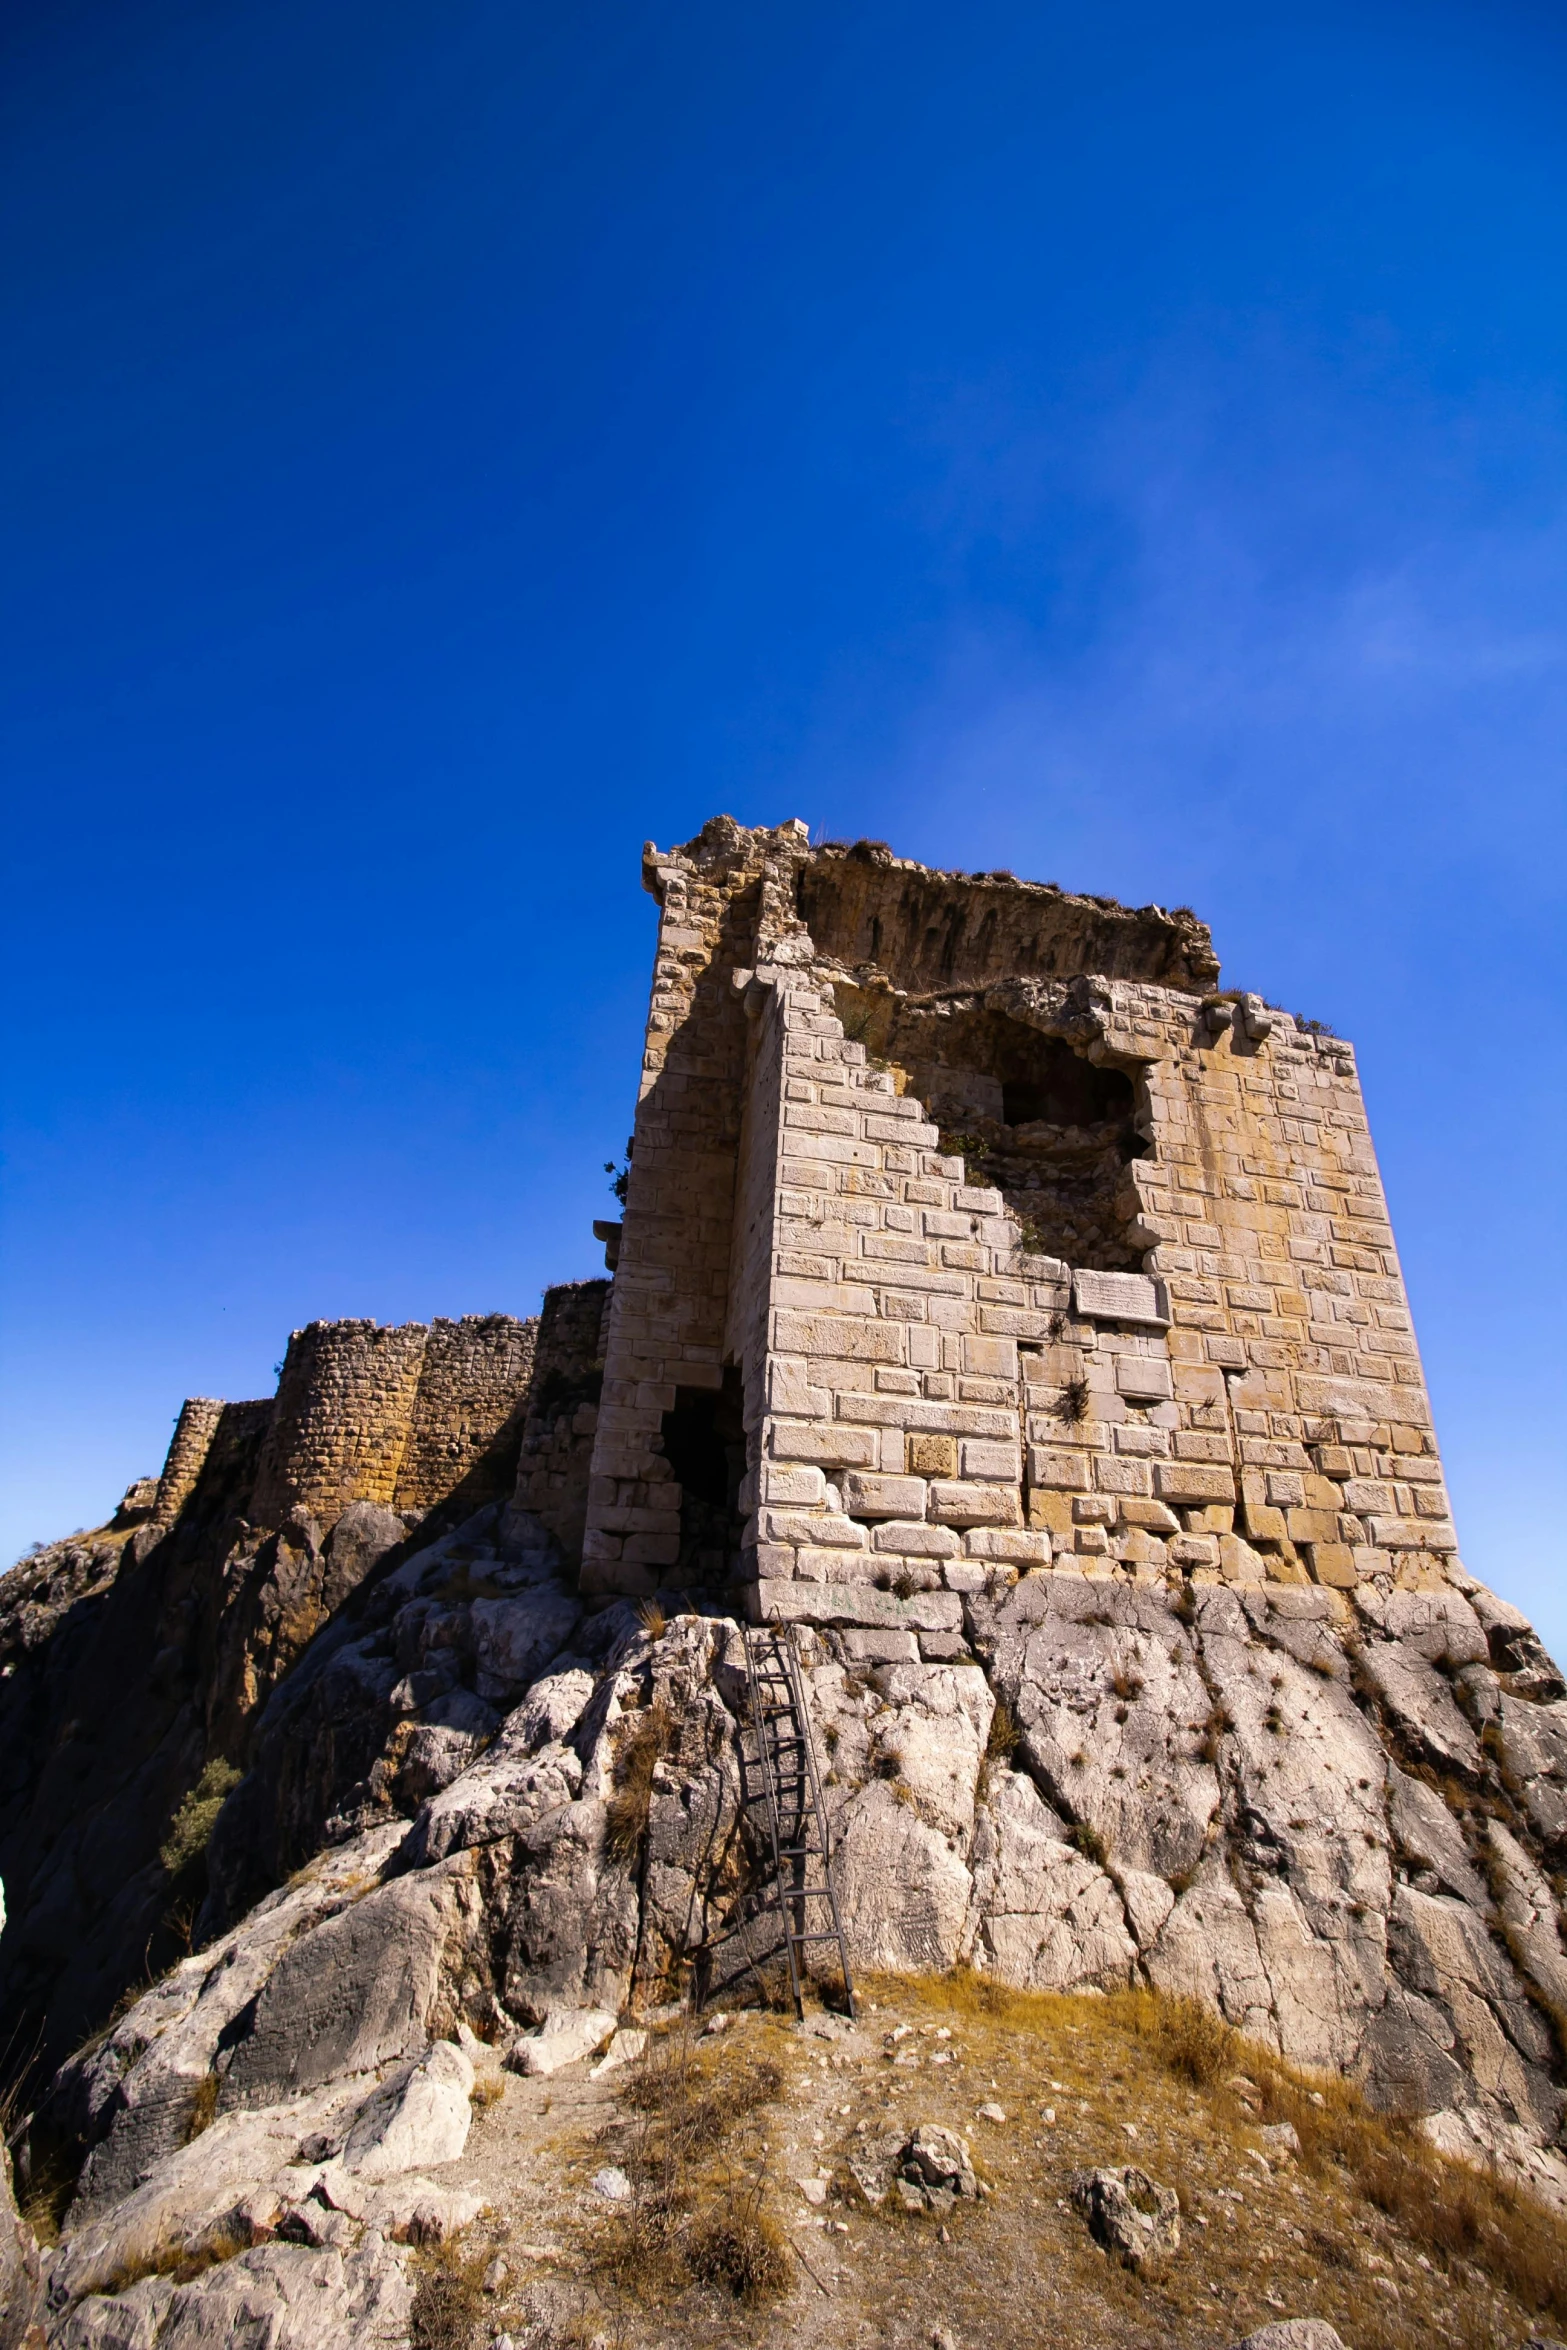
651, 1617
488, 2089
203, 2106
1449, 2208
1465, 2218
699, 2217
742, 2250
171, 2256
1002, 1743
626, 1820
448, 2298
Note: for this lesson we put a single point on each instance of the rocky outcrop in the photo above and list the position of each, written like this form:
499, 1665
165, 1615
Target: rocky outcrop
1208, 1790
137, 1663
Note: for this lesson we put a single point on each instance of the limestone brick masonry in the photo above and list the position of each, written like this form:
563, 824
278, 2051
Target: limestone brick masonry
935, 1398
405, 1416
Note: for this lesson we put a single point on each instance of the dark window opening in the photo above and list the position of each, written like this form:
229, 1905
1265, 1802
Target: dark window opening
704, 1444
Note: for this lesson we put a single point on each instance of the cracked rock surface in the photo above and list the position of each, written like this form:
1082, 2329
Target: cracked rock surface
1335, 1822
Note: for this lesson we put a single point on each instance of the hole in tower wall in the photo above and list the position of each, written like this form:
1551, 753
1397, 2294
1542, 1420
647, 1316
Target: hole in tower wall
1052, 1131
704, 1444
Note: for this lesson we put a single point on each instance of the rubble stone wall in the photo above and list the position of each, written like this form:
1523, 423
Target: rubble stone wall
345, 1404
468, 1409
400, 1415
562, 1411
188, 1448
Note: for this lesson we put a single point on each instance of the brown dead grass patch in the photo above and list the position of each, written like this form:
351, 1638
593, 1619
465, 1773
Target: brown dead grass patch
1460, 2215
172, 2256
625, 1821
1450, 2208
448, 2301
700, 2214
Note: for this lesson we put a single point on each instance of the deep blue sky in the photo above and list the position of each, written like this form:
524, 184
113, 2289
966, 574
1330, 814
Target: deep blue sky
444, 445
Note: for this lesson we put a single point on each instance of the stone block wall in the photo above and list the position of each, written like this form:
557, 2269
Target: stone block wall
933, 1401
466, 1426
562, 1410
407, 1416
188, 1448
672, 1275
345, 1405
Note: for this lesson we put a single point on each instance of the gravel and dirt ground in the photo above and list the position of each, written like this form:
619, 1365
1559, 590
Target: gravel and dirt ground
743, 2138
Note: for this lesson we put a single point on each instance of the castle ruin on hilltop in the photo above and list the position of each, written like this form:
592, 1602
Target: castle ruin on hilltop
967, 1222
1007, 1313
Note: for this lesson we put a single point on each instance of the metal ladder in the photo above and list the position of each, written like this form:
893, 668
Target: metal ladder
795, 1815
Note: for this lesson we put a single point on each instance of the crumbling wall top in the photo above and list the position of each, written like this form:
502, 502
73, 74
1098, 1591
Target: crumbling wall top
930, 931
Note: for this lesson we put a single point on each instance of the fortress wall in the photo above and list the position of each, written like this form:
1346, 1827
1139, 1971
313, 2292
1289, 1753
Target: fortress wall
468, 1410
931, 931
345, 1410
188, 1447
670, 1302
941, 1402
405, 1416
1292, 1336
932, 1399
562, 1413
207, 1462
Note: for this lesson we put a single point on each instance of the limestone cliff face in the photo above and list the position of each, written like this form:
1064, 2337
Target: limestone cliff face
1333, 1822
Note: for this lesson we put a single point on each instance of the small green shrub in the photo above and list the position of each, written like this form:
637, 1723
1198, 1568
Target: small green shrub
190, 1830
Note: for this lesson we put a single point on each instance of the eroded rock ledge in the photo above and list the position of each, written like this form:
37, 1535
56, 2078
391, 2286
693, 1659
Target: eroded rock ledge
1330, 1821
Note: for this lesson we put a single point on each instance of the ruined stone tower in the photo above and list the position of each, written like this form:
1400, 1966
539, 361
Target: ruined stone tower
970, 1223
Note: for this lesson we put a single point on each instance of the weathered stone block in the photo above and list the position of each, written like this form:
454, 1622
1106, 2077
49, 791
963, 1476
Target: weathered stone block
1112, 1474
1192, 1481
1332, 1563
983, 1458
866, 1647
1049, 1465
821, 1526
1238, 1562
1016, 1546
838, 1336
651, 1550
1156, 1517
956, 1504
823, 1440
1143, 1378
809, 1564
916, 1540
787, 1484
856, 1603
932, 1456
867, 1496
1121, 1297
